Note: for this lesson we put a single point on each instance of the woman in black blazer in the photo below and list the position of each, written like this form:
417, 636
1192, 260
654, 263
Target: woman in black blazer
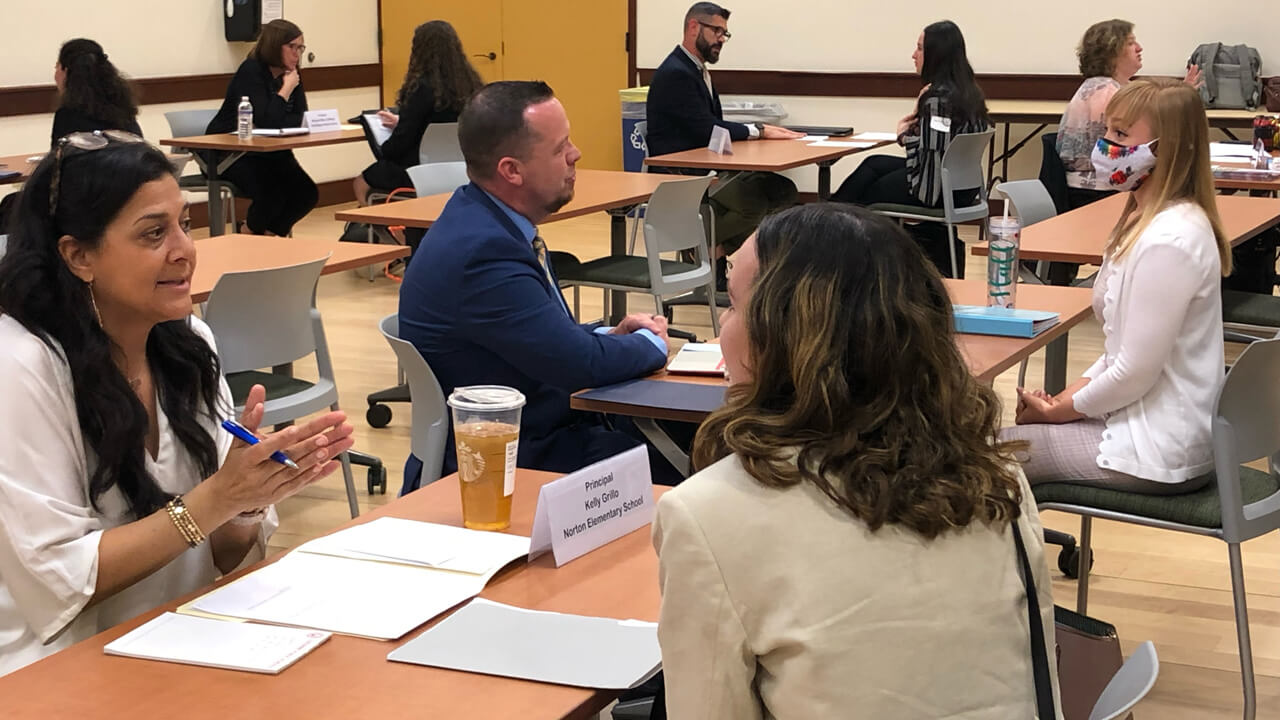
92, 94
281, 191
438, 83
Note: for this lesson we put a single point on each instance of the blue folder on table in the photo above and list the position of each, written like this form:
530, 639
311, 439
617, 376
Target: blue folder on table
1010, 322
689, 397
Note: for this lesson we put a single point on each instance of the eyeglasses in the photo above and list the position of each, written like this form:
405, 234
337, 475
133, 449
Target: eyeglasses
82, 142
719, 32
296, 47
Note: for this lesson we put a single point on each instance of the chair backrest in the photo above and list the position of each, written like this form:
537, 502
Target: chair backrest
1246, 427
642, 132
673, 221
1030, 200
962, 169
4, 242
1052, 172
263, 318
1130, 684
186, 123
440, 144
438, 177
430, 415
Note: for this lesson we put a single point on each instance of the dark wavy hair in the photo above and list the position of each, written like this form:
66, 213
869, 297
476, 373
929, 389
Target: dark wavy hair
437, 59
272, 38
1100, 47
858, 386
947, 70
94, 86
39, 291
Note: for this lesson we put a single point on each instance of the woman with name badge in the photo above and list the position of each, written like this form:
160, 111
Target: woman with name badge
118, 490
280, 190
853, 542
949, 104
1140, 418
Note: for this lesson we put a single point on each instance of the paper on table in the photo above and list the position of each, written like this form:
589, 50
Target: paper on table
813, 138
341, 595
876, 136
213, 643
496, 639
446, 547
1226, 150
842, 143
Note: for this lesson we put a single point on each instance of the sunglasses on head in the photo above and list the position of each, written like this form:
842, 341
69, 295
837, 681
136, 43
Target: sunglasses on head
82, 142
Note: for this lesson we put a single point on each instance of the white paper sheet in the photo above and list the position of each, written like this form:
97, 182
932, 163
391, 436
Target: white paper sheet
813, 138
1230, 150
842, 143
214, 643
446, 547
876, 136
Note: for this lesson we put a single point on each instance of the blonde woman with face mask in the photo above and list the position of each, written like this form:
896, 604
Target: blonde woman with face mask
1139, 419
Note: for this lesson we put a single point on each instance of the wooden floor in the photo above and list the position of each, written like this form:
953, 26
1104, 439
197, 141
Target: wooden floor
1166, 587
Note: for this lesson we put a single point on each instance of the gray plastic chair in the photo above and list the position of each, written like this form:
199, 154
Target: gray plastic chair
672, 222
433, 178
4, 242
430, 426
1238, 505
1032, 204
440, 144
962, 169
188, 123
267, 318
1129, 685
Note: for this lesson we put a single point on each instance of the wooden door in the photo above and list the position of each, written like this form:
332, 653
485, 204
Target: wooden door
478, 22
579, 48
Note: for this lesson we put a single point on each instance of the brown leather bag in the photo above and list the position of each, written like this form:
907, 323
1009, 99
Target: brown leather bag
1271, 93
1088, 656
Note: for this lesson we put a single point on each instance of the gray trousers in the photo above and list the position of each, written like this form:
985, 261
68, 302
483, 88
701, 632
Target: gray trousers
1069, 452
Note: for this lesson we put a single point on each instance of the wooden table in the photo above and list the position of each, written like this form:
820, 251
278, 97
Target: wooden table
1080, 235
610, 191
986, 355
1257, 186
767, 156
223, 149
238, 253
1043, 113
21, 164
350, 677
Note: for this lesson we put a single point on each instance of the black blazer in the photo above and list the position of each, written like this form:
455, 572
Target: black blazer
270, 110
416, 113
680, 111
69, 120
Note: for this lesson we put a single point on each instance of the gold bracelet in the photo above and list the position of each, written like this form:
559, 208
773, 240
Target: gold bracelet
182, 520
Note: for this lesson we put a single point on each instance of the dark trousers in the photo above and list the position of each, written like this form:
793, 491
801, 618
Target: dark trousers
280, 190
743, 201
883, 179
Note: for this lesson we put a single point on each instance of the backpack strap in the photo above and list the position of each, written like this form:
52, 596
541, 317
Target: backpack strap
1250, 84
1045, 706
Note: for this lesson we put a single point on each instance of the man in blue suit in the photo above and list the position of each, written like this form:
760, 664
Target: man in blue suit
682, 109
480, 300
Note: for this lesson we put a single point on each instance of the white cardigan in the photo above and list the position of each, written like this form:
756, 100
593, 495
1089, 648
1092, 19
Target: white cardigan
1157, 381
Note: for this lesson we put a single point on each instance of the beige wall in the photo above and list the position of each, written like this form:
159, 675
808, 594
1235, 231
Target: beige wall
182, 37
1004, 37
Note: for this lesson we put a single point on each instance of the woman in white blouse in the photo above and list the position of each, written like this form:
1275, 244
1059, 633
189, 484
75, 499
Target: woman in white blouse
1139, 419
847, 549
118, 489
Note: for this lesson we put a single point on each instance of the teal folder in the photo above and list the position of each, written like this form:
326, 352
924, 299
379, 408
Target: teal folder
1010, 322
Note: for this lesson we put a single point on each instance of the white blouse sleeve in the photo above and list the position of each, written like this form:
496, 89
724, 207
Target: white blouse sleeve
708, 666
1155, 301
49, 530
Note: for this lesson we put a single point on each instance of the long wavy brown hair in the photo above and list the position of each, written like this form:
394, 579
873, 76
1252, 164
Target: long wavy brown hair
858, 386
436, 58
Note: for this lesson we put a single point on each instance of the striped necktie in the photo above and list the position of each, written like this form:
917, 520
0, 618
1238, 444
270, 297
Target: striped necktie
540, 247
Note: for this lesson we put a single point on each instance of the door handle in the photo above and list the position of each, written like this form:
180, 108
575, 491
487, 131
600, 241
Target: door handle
490, 55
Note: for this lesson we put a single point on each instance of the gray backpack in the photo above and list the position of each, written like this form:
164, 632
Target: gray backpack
1231, 75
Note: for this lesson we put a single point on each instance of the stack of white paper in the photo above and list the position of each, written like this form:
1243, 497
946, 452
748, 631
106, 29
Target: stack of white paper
876, 136
496, 639
212, 643
380, 132
1224, 151
377, 580
843, 143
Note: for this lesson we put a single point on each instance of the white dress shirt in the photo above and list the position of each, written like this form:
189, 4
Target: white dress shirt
49, 530
1157, 382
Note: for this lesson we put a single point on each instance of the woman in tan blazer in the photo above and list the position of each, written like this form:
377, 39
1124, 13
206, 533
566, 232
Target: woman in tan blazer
845, 550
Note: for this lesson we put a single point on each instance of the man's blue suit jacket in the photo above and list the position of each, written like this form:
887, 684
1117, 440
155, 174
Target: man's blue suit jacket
477, 305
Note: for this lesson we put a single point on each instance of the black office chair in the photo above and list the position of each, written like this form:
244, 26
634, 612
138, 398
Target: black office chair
1053, 174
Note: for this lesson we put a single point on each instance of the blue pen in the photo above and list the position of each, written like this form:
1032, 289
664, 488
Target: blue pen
243, 433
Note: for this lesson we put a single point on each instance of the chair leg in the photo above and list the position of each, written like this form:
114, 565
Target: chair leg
577, 302
1086, 547
657, 303
951, 246
1022, 374
715, 311
351, 485
1242, 632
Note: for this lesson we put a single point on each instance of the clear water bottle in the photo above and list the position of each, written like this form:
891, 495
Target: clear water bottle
244, 119
1002, 261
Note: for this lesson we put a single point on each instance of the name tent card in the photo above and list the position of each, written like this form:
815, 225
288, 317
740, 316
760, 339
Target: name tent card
322, 120
721, 143
593, 506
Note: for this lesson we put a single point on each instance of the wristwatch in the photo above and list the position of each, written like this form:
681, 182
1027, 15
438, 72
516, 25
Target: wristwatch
759, 126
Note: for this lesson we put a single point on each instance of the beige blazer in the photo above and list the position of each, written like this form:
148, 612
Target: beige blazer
779, 604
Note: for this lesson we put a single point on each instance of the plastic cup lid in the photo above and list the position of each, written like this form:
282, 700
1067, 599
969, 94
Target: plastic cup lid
486, 398
1002, 221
